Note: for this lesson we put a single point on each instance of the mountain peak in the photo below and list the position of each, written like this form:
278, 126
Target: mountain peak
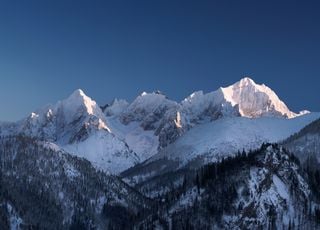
78, 96
79, 105
246, 81
79, 99
255, 100
78, 92
152, 94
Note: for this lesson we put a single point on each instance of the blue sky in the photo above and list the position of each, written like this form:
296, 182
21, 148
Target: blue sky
121, 48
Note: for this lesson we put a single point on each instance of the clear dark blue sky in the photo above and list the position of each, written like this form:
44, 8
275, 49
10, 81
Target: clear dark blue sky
120, 48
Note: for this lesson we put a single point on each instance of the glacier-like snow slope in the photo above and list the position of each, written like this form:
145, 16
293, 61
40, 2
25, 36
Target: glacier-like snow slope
212, 141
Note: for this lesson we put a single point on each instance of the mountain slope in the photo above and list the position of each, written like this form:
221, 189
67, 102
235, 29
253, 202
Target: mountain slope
305, 144
51, 189
264, 189
228, 135
211, 142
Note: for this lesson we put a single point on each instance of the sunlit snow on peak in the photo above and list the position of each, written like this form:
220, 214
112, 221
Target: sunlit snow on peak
79, 98
255, 100
246, 81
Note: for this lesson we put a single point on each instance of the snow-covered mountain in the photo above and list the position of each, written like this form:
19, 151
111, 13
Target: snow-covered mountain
66, 122
78, 125
205, 128
216, 140
118, 136
255, 100
169, 119
244, 98
190, 164
154, 112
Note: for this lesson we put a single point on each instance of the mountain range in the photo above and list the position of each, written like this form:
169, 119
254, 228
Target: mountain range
116, 137
103, 165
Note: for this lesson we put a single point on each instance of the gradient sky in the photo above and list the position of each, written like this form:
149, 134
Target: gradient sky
121, 48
